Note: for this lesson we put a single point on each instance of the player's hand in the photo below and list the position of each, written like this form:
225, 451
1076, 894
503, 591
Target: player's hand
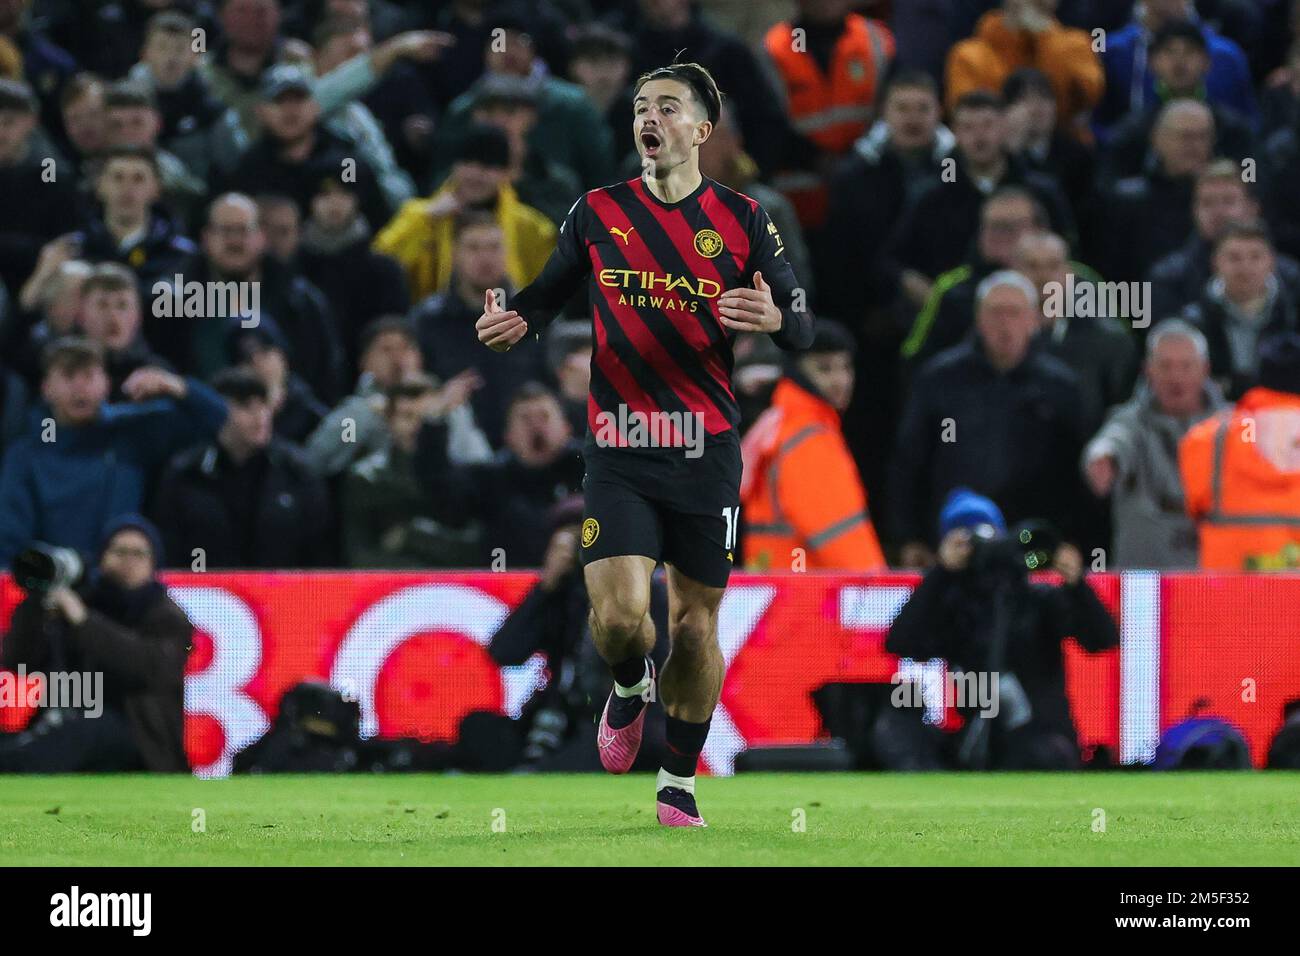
750, 310
1069, 563
497, 329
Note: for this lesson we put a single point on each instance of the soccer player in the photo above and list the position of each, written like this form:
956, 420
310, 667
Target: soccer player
678, 265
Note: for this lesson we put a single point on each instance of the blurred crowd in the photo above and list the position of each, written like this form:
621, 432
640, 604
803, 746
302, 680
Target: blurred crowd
1052, 244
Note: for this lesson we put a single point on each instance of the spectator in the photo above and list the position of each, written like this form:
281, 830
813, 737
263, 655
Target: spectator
234, 251
132, 121
282, 224
81, 114
357, 428
830, 79
120, 624
250, 43
1241, 471
660, 29
335, 255
387, 519
296, 151
882, 176
511, 494
1279, 166
1244, 302
36, 210
1130, 84
1221, 197
129, 229
803, 499
568, 356
190, 115
295, 409
949, 313
568, 130
1035, 138
1023, 33
509, 103
249, 500
47, 67
110, 317
1096, 346
600, 61
421, 235
444, 325
51, 303
103, 457
992, 414
1144, 218
1133, 459
723, 158
936, 232
1180, 60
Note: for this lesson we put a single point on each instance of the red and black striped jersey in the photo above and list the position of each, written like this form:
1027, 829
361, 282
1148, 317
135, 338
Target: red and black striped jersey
655, 271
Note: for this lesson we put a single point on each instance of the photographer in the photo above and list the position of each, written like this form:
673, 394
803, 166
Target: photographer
120, 623
979, 612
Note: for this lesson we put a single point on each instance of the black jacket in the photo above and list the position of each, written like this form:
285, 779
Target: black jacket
1015, 437
508, 497
1180, 277
35, 211
949, 615
271, 513
1210, 315
142, 659
1139, 221
159, 255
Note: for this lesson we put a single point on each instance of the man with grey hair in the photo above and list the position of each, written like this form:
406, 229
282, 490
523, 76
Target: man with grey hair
1133, 459
993, 414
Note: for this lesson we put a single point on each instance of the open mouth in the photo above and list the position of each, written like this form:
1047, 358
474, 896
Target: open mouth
650, 142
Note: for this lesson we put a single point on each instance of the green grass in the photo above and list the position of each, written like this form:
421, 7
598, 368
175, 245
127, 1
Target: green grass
851, 819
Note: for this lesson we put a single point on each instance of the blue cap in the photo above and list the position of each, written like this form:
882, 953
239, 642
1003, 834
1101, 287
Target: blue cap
966, 509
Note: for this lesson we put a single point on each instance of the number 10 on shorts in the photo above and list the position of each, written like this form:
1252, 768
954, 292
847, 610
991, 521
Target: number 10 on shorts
732, 517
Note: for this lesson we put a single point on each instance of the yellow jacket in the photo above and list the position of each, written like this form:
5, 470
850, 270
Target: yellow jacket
424, 246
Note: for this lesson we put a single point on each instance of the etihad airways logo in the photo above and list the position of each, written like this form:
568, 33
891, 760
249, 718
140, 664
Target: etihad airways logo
651, 282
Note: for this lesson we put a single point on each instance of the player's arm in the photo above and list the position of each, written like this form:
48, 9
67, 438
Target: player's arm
776, 305
536, 305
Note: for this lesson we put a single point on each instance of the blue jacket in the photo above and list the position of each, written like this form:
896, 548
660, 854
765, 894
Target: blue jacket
1125, 62
63, 492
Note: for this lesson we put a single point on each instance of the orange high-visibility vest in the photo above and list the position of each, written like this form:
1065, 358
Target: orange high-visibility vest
831, 109
801, 490
1241, 481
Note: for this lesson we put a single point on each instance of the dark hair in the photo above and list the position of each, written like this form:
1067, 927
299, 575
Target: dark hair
70, 353
128, 94
1027, 81
170, 21
110, 277
384, 325
1004, 193
17, 97
527, 392
79, 86
130, 152
413, 386
979, 100
697, 77
1254, 229
1184, 30
470, 217
911, 79
830, 336
596, 41
239, 385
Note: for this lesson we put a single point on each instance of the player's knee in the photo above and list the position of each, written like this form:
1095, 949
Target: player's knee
617, 619
694, 630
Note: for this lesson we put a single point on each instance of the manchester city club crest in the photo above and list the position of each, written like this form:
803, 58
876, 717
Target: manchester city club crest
708, 243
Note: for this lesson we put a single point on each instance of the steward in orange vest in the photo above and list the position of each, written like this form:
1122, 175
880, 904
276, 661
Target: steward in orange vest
831, 74
801, 488
1241, 470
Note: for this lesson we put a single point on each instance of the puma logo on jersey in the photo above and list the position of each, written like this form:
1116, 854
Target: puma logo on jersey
615, 231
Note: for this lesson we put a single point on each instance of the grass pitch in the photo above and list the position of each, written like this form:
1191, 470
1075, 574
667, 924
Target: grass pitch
848, 819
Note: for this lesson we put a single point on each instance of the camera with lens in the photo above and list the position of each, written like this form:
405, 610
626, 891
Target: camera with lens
41, 568
1029, 546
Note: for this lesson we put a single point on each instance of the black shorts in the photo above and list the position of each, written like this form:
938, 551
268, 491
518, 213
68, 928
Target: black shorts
661, 504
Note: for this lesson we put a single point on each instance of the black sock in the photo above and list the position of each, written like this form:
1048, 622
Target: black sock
685, 741
630, 672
